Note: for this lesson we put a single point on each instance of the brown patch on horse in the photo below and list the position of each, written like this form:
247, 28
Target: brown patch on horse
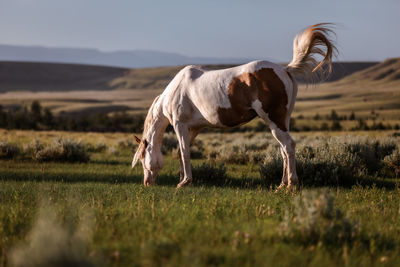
241, 95
272, 94
244, 89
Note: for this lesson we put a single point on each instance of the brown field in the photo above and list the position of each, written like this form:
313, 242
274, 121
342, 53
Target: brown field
360, 87
135, 101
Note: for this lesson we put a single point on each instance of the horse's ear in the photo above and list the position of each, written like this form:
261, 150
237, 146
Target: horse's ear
137, 139
140, 151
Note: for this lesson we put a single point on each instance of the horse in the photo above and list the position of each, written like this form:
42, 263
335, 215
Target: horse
197, 98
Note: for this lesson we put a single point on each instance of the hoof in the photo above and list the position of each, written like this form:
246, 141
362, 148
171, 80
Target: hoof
292, 188
147, 183
281, 187
184, 183
288, 188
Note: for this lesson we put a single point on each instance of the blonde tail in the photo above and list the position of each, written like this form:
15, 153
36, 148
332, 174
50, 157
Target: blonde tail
315, 40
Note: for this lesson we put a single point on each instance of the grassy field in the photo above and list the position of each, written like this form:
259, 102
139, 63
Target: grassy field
71, 198
98, 213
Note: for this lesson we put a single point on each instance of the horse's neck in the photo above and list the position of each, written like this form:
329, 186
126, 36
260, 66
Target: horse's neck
156, 126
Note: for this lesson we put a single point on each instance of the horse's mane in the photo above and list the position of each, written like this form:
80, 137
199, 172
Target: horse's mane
149, 118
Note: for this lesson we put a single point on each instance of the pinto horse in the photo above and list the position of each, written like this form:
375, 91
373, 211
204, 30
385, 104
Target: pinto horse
198, 98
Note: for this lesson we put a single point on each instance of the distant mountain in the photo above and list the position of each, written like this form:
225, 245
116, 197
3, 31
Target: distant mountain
128, 59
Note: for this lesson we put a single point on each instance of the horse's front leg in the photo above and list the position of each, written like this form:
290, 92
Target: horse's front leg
192, 133
181, 170
182, 133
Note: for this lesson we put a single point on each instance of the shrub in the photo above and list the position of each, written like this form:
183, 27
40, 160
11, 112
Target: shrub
209, 173
240, 151
324, 126
316, 221
126, 143
334, 116
327, 163
256, 157
36, 111
196, 149
261, 127
336, 126
38, 118
32, 148
113, 151
379, 126
372, 152
300, 116
256, 144
66, 150
391, 164
234, 154
361, 125
8, 151
396, 134
98, 147
169, 143
272, 167
332, 164
335, 161
352, 116
52, 243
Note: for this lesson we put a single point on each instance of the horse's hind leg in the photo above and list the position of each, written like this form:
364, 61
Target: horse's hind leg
288, 150
289, 176
285, 169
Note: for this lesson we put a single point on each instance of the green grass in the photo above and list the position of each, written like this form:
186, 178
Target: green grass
99, 213
195, 226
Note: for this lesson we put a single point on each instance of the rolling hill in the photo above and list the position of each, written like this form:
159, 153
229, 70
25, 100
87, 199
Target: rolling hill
387, 71
52, 77
55, 77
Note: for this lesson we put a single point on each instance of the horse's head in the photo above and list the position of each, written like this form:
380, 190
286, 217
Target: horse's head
151, 159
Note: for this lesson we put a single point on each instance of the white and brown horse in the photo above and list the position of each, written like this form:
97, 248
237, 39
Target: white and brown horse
198, 98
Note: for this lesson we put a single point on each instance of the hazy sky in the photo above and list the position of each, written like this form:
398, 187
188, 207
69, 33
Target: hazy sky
367, 30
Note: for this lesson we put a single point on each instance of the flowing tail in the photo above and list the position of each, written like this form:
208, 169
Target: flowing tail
313, 41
